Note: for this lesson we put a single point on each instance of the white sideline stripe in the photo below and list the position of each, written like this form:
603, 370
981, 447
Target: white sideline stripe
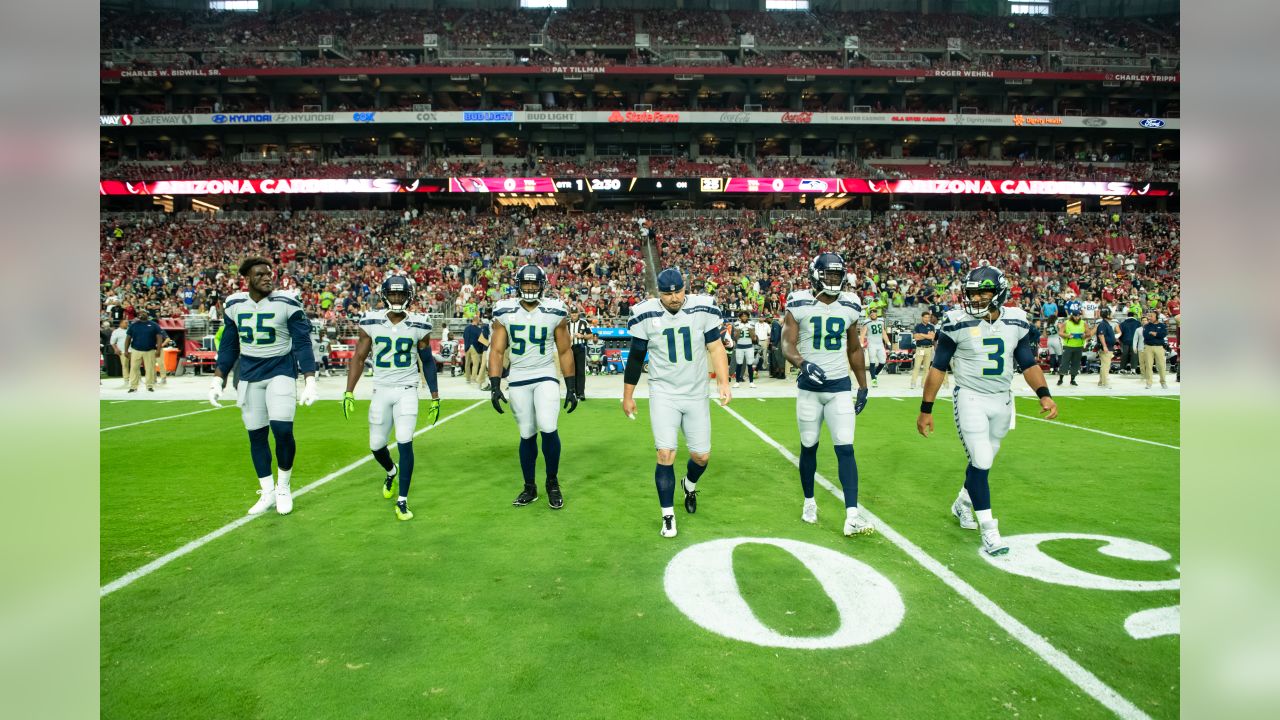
163, 560
760, 399
1058, 660
896, 398
167, 417
1100, 432
117, 402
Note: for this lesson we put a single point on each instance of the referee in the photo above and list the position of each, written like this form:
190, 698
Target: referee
579, 335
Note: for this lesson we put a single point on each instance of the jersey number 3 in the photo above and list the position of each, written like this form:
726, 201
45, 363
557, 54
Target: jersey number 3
995, 356
402, 356
833, 339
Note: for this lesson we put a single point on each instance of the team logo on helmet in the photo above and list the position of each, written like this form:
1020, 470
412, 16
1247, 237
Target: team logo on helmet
980, 280
826, 272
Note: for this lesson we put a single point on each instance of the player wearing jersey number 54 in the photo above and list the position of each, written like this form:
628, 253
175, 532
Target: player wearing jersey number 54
530, 325
820, 336
980, 343
270, 335
398, 340
681, 335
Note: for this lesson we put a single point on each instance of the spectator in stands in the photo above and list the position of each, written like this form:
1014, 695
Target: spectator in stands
141, 341
1154, 339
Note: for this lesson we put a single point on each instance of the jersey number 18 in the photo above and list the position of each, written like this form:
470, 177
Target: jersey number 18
834, 337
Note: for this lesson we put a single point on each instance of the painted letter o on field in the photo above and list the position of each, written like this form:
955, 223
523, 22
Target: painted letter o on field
701, 582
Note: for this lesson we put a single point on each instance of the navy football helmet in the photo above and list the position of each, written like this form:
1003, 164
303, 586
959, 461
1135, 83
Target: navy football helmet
397, 293
826, 272
982, 279
528, 274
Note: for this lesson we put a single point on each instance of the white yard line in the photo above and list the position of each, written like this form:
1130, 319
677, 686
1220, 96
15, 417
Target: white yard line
1058, 660
166, 417
891, 397
163, 560
1100, 432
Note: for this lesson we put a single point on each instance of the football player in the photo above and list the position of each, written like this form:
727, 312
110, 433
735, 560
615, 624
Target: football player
876, 343
744, 348
270, 335
394, 336
679, 332
980, 343
820, 337
529, 325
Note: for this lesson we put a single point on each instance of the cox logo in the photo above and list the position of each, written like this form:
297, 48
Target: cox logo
1152, 123
219, 119
362, 117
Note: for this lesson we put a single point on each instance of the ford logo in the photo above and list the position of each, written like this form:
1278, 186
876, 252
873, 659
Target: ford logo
219, 118
1152, 123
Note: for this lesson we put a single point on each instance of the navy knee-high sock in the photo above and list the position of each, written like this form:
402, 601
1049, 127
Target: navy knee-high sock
751, 372
406, 467
664, 476
383, 456
551, 452
260, 451
694, 471
847, 466
286, 448
738, 375
808, 468
975, 481
528, 458
875, 369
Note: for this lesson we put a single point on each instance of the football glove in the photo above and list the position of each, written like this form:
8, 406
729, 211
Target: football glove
570, 401
215, 391
433, 411
309, 392
348, 404
861, 402
814, 372
495, 394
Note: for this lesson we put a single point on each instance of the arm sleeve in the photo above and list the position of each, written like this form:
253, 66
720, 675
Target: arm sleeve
229, 347
429, 368
300, 333
942, 354
635, 361
1024, 353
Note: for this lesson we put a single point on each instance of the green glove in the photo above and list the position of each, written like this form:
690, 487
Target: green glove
348, 404
433, 411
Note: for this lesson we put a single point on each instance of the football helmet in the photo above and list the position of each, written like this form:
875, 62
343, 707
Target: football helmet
531, 273
826, 272
982, 279
397, 293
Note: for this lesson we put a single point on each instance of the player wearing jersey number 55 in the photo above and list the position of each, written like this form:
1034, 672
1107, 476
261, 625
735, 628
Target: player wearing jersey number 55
680, 333
394, 336
271, 337
980, 343
529, 325
820, 337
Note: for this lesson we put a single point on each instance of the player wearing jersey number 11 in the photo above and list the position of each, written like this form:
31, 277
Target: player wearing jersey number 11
980, 343
398, 340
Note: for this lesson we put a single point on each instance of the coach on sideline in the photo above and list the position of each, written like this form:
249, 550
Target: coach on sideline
141, 341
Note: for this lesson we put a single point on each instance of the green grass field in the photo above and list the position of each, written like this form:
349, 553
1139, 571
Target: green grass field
476, 609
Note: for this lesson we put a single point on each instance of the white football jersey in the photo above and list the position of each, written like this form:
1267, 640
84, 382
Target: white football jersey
823, 330
395, 346
531, 336
742, 335
677, 343
271, 337
875, 332
983, 357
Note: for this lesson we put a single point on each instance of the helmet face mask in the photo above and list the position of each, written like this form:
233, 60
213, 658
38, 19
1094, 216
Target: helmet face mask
530, 282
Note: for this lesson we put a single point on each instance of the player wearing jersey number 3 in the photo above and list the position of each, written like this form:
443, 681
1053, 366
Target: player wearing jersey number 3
980, 343
534, 328
820, 336
680, 333
394, 336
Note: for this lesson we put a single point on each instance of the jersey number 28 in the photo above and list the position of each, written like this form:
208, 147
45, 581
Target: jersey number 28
401, 357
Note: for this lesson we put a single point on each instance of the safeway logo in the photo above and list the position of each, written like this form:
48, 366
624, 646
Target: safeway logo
797, 118
116, 120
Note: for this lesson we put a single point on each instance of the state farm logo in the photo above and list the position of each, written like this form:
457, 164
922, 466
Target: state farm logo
798, 118
1095, 122
618, 116
115, 120
1020, 120
740, 118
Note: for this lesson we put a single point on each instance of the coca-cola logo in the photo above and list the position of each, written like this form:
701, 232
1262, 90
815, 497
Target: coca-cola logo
738, 118
797, 118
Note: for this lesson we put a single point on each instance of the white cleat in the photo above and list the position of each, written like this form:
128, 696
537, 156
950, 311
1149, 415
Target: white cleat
264, 503
668, 528
284, 500
751, 385
964, 513
810, 512
736, 384
857, 525
991, 542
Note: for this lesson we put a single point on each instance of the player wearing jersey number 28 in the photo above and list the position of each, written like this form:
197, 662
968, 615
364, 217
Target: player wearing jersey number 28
394, 336
980, 344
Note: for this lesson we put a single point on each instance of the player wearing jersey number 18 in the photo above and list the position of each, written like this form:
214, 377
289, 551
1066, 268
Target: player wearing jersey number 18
981, 343
820, 336
394, 336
